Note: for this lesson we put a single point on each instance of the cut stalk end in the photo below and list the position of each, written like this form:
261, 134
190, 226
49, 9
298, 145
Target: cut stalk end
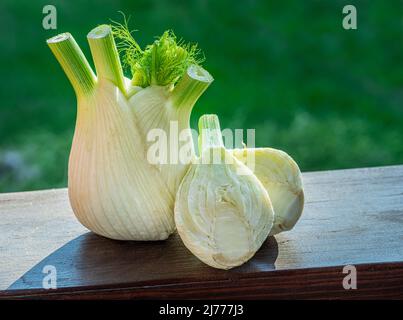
192, 85
105, 55
73, 62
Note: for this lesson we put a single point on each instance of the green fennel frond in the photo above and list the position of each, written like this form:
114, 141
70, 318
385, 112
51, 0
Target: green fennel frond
162, 63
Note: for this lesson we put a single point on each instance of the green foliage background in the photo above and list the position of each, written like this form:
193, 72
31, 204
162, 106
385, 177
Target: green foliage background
329, 97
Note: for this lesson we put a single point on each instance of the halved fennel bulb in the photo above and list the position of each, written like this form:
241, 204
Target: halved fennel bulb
222, 211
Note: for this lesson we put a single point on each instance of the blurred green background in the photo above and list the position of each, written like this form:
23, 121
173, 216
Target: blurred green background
329, 97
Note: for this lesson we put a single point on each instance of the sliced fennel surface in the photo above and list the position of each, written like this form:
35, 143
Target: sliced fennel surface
281, 177
222, 216
114, 188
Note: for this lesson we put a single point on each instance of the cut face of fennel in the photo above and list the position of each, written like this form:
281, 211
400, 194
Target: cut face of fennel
222, 216
281, 177
114, 188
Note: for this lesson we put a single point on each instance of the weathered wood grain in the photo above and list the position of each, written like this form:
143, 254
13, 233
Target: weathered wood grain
351, 217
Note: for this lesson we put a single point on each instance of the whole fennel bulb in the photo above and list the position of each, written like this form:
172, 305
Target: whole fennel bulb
114, 188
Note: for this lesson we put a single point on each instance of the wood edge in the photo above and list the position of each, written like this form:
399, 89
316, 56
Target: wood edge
375, 281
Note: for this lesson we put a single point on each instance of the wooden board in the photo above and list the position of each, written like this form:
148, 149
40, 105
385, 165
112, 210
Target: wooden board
351, 217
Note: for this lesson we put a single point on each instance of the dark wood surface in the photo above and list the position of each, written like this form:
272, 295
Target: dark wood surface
351, 217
